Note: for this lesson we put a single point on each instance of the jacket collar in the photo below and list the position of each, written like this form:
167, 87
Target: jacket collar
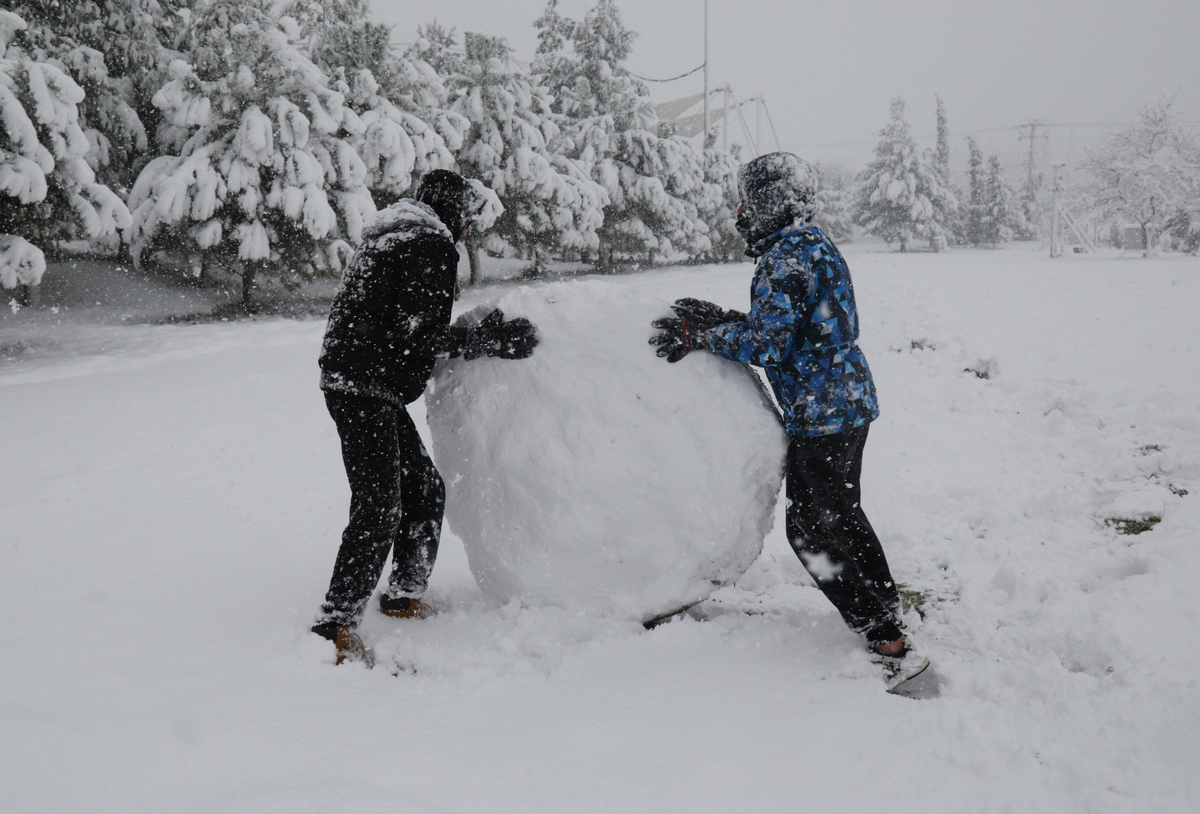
405, 215
763, 245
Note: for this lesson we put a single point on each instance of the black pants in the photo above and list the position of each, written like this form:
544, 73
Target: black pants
830, 533
396, 502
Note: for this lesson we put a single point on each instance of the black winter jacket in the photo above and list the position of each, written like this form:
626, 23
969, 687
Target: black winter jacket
391, 316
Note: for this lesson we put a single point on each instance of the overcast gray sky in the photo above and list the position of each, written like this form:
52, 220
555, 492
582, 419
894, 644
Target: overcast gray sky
829, 68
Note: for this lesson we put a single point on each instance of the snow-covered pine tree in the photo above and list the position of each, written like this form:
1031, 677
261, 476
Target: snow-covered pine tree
1001, 218
833, 202
717, 202
976, 201
1147, 174
549, 201
407, 128
946, 206
265, 180
941, 160
439, 48
339, 32
554, 64
47, 190
114, 50
653, 178
899, 194
1032, 206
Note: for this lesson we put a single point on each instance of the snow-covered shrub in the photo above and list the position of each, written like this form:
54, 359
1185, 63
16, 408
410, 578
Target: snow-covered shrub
266, 179
47, 189
21, 263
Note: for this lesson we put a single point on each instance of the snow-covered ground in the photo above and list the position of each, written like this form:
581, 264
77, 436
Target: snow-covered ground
171, 498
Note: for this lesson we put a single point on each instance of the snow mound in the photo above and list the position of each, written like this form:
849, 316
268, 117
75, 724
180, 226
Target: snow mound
596, 476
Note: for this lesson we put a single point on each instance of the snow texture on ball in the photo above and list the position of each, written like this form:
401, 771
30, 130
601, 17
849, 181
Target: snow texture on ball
595, 475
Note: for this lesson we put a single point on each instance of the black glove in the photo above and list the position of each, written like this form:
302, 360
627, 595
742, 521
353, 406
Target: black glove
676, 339
514, 339
702, 315
695, 318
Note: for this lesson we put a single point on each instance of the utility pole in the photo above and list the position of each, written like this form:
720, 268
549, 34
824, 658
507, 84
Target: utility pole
705, 140
1030, 163
1031, 178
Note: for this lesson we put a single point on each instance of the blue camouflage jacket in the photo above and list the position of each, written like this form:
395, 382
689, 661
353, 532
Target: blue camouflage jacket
801, 329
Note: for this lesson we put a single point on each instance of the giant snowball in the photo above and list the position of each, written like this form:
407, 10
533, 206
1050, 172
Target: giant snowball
595, 475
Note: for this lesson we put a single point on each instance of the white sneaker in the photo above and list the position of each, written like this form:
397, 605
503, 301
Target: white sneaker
909, 663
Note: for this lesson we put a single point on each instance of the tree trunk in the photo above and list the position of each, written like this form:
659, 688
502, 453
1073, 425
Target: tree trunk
28, 296
124, 255
1146, 250
473, 259
249, 273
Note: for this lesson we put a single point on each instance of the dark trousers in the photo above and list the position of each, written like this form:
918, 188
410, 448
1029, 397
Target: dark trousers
830, 533
396, 502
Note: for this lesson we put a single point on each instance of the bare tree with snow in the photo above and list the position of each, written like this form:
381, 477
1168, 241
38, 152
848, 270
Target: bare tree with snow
1146, 175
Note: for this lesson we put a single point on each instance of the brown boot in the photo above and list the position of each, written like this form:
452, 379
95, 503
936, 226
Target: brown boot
348, 645
404, 607
351, 648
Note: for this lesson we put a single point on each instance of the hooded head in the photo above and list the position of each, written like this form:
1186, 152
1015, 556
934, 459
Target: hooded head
776, 189
450, 196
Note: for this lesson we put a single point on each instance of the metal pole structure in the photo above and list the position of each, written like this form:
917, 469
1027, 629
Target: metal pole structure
725, 118
758, 123
774, 135
1055, 249
705, 140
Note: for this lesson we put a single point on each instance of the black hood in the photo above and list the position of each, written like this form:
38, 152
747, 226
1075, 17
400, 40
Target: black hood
451, 197
777, 189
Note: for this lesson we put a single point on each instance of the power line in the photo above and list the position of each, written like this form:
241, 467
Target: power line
699, 67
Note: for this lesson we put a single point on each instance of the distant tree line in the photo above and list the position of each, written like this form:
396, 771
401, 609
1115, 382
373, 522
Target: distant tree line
1146, 177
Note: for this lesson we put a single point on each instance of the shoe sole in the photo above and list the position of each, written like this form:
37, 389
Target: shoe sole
910, 676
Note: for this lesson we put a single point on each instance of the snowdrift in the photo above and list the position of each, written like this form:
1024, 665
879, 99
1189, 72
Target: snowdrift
595, 475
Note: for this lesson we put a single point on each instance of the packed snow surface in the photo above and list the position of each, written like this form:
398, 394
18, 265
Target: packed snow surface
171, 499
594, 475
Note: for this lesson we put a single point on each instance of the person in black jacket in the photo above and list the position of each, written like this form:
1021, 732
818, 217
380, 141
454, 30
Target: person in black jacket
389, 322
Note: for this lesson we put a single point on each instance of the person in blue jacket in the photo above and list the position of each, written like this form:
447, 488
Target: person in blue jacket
802, 329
